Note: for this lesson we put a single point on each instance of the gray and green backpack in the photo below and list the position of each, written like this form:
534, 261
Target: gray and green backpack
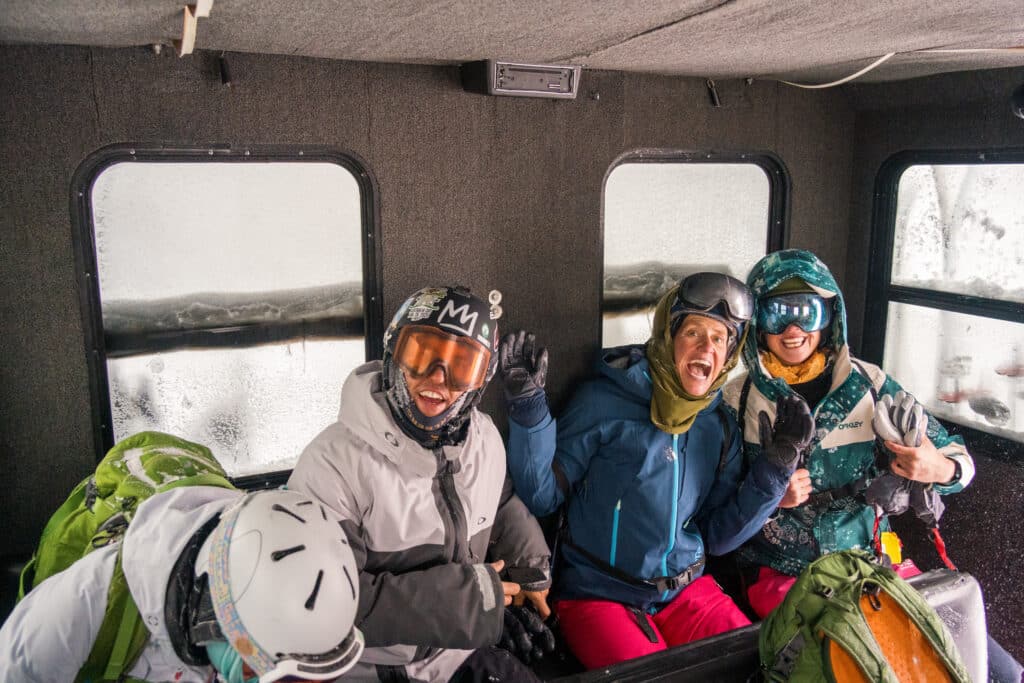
847, 618
97, 514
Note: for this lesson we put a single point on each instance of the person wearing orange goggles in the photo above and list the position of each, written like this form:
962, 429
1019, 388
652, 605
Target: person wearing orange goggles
419, 476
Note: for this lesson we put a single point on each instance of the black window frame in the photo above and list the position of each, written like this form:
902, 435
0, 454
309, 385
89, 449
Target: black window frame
881, 291
100, 345
777, 229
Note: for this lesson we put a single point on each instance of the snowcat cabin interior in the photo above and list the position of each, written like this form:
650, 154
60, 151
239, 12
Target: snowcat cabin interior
210, 212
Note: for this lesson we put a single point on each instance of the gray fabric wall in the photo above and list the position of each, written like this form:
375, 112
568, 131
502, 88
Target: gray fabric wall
492, 192
984, 525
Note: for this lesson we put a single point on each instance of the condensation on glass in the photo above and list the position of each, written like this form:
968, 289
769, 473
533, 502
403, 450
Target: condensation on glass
964, 368
665, 220
188, 246
960, 229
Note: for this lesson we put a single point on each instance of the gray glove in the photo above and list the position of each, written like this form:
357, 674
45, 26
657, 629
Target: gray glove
525, 635
889, 494
523, 367
893, 495
784, 442
900, 418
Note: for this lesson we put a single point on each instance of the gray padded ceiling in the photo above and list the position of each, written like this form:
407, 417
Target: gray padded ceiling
800, 40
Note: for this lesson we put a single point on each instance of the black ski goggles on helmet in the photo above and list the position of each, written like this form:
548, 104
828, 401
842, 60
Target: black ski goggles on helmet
809, 312
705, 291
421, 348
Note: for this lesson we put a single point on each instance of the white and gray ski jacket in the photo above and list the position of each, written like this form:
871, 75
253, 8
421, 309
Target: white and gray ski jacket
423, 524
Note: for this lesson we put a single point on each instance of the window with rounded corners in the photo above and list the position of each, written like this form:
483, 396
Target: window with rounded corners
667, 214
946, 286
227, 295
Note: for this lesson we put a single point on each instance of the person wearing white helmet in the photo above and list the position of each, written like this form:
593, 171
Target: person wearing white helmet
419, 475
231, 587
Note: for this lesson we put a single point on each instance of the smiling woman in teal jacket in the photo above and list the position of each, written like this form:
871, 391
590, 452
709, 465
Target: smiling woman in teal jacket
651, 469
798, 346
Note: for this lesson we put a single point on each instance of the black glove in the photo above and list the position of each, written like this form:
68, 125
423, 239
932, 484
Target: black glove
523, 367
784, 442
525, 635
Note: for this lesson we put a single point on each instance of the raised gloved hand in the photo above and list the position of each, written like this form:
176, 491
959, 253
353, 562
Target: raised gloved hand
784, 442
901, 419
525, 635
524, 369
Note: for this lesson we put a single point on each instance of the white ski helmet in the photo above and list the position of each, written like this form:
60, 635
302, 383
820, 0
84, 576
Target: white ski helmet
285, 586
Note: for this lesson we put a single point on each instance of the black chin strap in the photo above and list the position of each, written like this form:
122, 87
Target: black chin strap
188, 609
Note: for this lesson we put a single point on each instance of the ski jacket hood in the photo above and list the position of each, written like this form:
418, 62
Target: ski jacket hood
159, 532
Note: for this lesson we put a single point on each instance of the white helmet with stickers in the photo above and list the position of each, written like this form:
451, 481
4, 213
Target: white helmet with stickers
285, 589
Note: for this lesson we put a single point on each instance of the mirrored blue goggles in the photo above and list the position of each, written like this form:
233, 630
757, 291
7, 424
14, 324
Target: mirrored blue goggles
809, 312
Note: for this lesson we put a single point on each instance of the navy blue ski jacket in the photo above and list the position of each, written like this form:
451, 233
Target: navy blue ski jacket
644, 501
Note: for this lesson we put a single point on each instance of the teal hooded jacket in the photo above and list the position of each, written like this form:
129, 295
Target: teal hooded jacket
843, 449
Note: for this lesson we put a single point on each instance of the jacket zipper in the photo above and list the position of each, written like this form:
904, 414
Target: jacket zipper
615, 532
675, 506
453, 507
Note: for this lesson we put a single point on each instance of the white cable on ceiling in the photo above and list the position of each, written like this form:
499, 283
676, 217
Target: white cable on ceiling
863, 71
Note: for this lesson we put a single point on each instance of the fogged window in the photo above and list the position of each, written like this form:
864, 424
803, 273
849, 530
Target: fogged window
954, 334
666, 219
232, 301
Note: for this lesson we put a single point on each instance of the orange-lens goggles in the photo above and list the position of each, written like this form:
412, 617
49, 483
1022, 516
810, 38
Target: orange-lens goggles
420, 349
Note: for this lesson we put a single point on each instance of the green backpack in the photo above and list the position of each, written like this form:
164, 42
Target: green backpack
98, 512
847, 618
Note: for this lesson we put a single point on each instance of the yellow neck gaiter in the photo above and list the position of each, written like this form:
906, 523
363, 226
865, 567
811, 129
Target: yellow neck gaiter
795, 374
672, 409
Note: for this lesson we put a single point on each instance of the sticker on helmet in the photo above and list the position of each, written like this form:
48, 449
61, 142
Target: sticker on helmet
467, 318
425, 304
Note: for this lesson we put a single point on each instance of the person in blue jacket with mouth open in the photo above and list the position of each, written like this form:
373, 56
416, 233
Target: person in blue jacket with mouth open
649, 466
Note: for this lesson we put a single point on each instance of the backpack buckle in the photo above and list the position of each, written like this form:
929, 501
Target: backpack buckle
672, 582
110, 530
92, 491
871, 590
785, 660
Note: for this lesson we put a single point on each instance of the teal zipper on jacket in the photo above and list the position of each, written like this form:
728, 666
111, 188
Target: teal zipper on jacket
615, 532
675, 508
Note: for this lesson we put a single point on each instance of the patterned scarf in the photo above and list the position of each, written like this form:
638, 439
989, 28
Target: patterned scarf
795, 374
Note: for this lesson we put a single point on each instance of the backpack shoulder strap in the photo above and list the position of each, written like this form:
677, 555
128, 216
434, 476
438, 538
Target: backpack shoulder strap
122, 634
864, 371
741, 409
726, 436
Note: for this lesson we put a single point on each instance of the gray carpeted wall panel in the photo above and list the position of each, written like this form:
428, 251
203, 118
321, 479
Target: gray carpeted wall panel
45, 428
815, 131
493, 192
